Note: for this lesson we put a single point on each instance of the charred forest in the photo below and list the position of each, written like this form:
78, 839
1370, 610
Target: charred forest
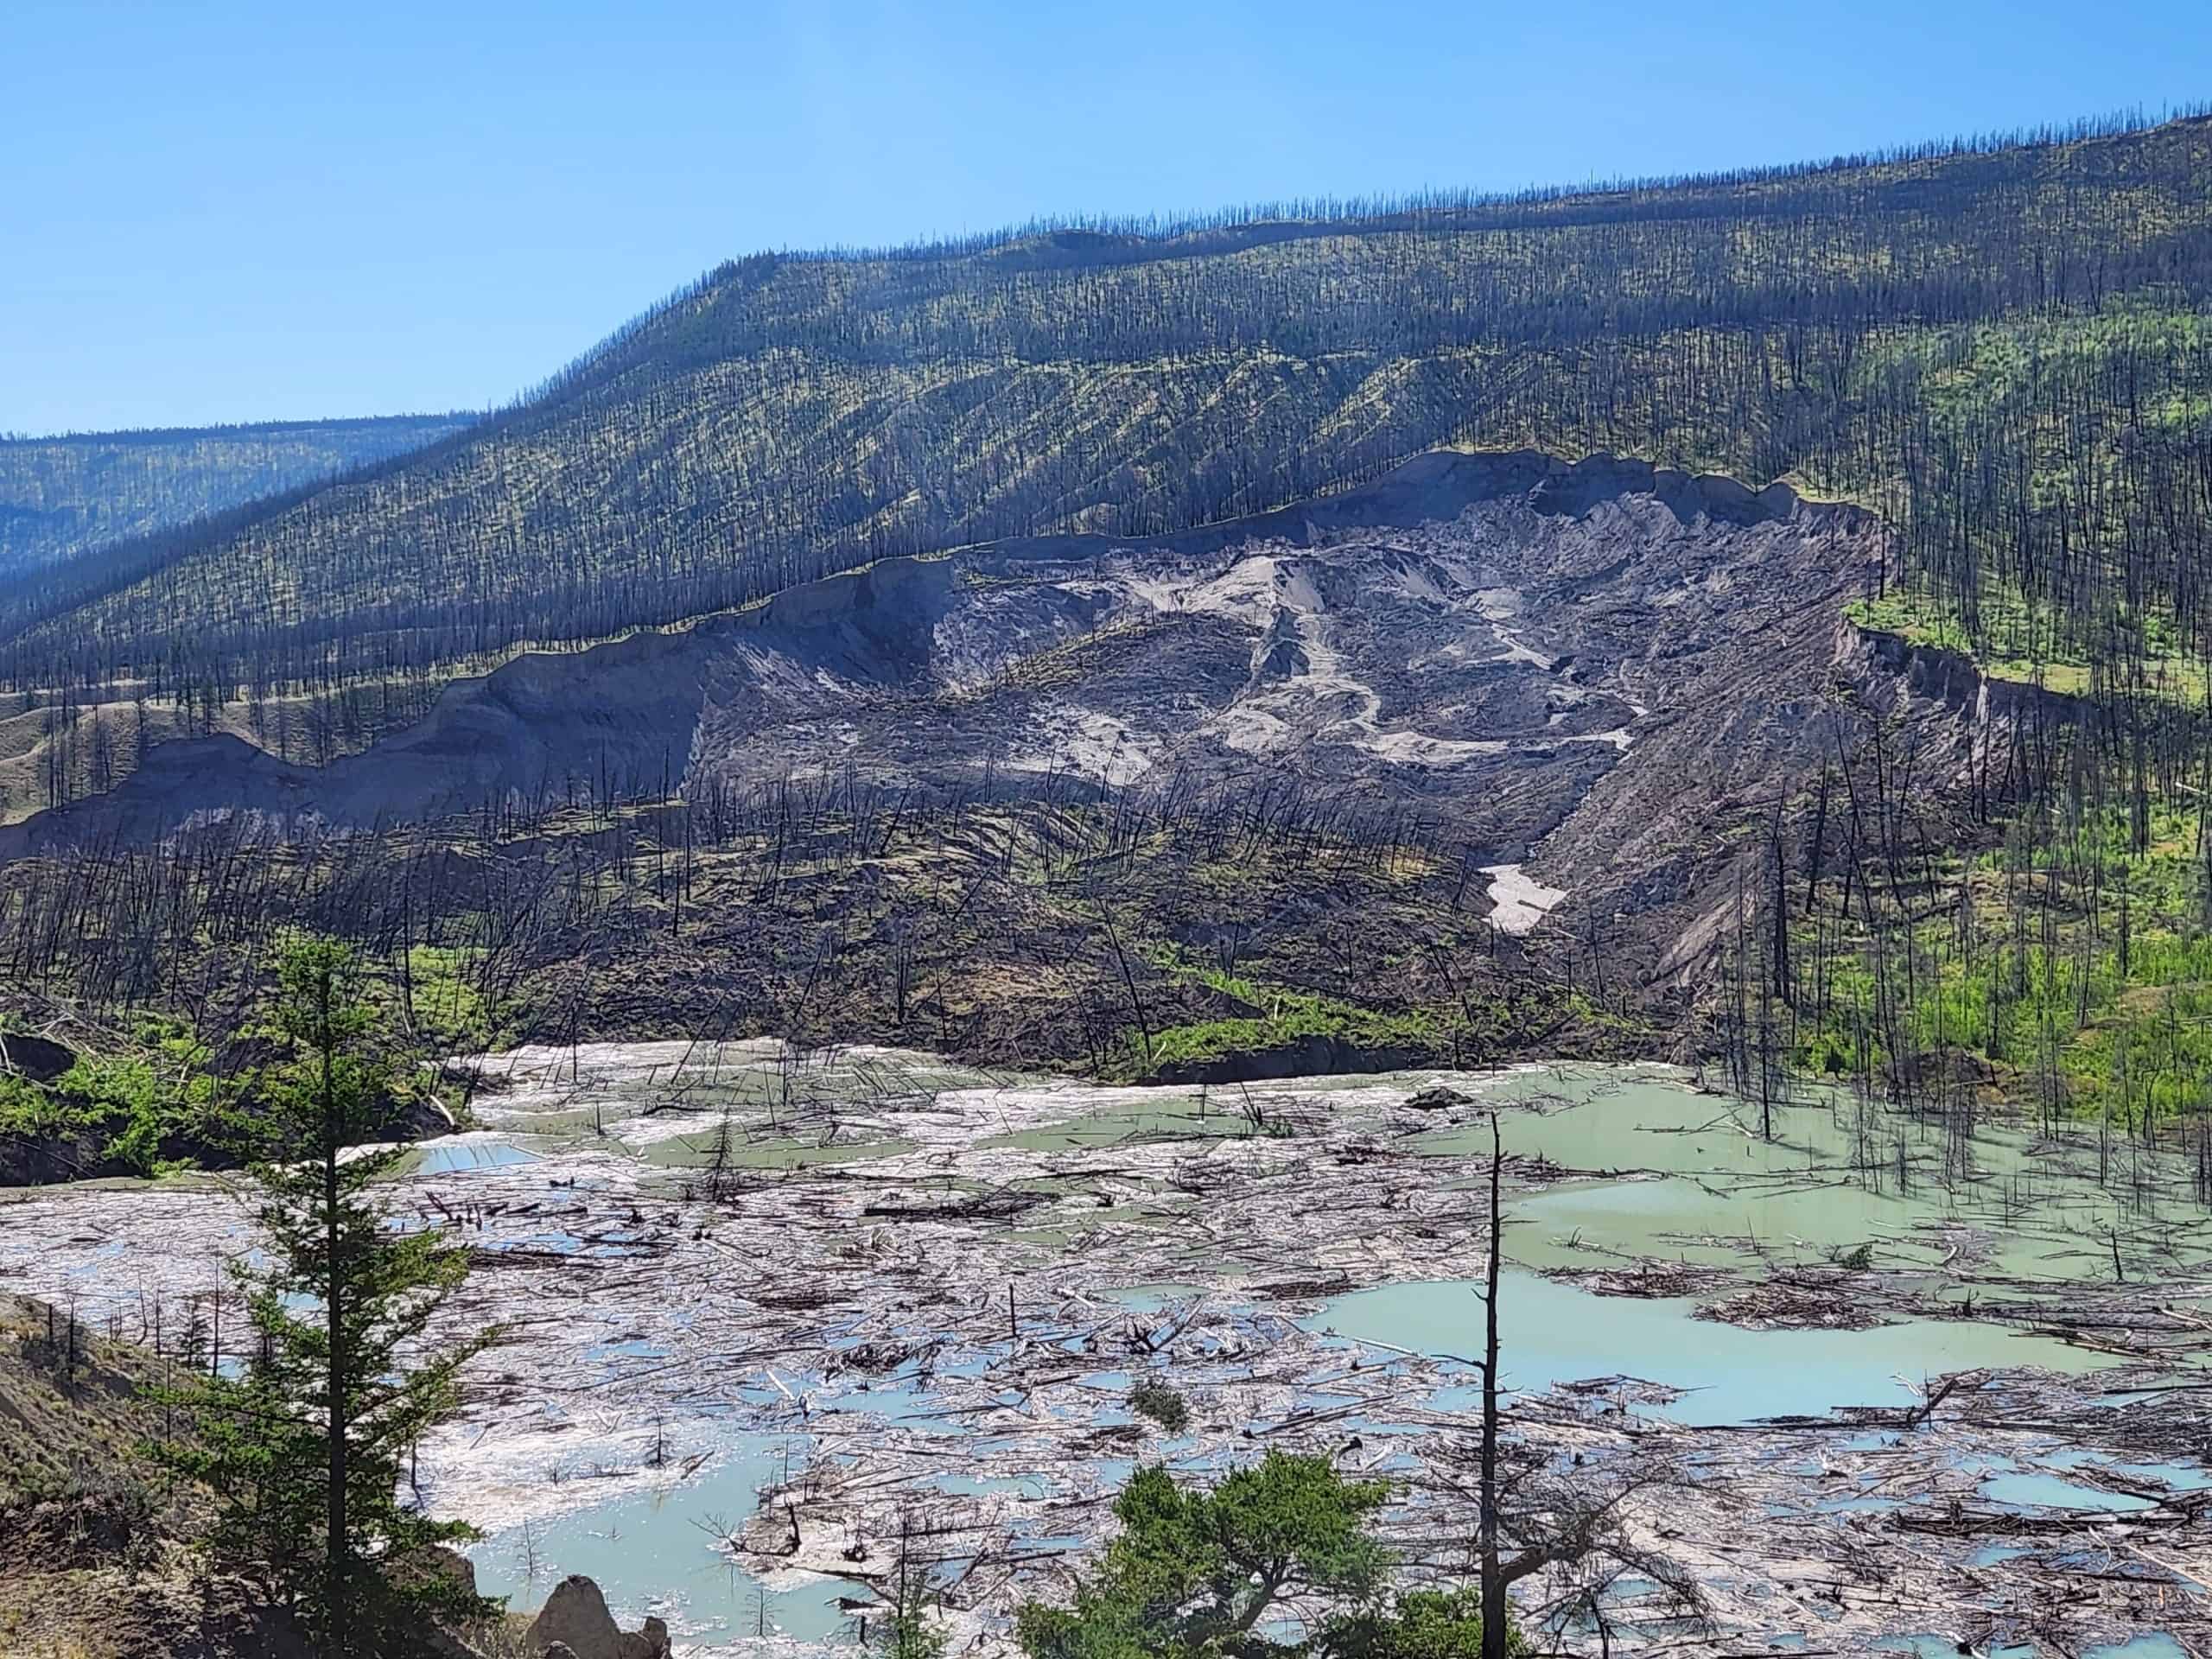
1937, 332
2000, 347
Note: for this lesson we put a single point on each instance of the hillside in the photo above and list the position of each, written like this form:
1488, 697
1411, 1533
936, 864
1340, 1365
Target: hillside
89, 1567
2002, 349
1863, 324
62, 497
1201, 801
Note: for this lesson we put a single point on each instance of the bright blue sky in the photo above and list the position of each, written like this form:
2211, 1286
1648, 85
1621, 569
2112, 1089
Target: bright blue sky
214, 210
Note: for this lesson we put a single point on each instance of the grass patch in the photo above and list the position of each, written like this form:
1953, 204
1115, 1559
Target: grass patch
133, 1105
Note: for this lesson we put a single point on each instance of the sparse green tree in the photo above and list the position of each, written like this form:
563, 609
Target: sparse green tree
305, 1446
1197, 1573
1155, 1399
1424, 1624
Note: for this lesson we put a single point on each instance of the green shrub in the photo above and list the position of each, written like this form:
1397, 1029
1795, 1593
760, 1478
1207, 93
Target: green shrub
1155, 1399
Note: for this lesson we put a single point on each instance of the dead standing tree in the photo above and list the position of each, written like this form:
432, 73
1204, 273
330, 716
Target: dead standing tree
1552, 1518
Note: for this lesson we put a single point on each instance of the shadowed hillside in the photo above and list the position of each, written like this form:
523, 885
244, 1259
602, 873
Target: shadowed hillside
64, 496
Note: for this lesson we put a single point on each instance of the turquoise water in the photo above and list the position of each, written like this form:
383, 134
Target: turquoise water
1150, 1299
451, 1156
1551, 1333
2035, 1489
656, 1552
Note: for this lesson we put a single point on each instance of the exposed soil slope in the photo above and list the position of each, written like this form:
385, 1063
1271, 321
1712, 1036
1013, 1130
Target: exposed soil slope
1519, 643
1091, 801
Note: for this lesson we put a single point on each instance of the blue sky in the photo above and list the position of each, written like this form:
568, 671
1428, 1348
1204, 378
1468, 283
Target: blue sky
212, 210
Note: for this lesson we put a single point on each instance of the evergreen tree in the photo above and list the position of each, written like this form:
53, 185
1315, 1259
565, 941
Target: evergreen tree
1212, 1574
305, 1448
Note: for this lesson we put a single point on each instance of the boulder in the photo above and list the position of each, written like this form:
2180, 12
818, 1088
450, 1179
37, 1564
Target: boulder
559, 1650
419, 1117
35, 1058
652, 1643
455, 1567
437, 1567
574, 1616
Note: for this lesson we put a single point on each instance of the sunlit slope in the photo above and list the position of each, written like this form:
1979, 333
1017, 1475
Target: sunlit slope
63, 496
794, 413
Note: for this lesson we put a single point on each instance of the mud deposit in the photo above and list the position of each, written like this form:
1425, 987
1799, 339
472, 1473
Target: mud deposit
764, 1310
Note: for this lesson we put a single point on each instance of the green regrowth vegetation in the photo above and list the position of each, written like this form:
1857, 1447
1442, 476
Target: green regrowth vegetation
1197, 1574
1155, 1399
145, 1105
307, 1447
1456, 1022
1290, 1015
1424, 1624
2028, 642
2074, 968
905, 1629
440, 990
2002, 651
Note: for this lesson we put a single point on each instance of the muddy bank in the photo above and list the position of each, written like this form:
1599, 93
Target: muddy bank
1309, 1057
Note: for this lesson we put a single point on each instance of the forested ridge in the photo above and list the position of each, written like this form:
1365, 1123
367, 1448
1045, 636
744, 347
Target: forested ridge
65, 495
1941, 332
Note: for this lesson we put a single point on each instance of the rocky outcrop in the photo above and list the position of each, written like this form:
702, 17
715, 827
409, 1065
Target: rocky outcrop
574, 1620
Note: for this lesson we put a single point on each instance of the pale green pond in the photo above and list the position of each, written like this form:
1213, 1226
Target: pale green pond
1176, 1119
656, 1552
1551, 1333
699, 1151
1613, 1166
1700, 1183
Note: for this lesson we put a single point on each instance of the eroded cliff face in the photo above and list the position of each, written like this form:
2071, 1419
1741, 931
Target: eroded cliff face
1588, 671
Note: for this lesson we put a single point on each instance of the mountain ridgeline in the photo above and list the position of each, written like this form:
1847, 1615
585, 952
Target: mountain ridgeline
2002, 346
64, 496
